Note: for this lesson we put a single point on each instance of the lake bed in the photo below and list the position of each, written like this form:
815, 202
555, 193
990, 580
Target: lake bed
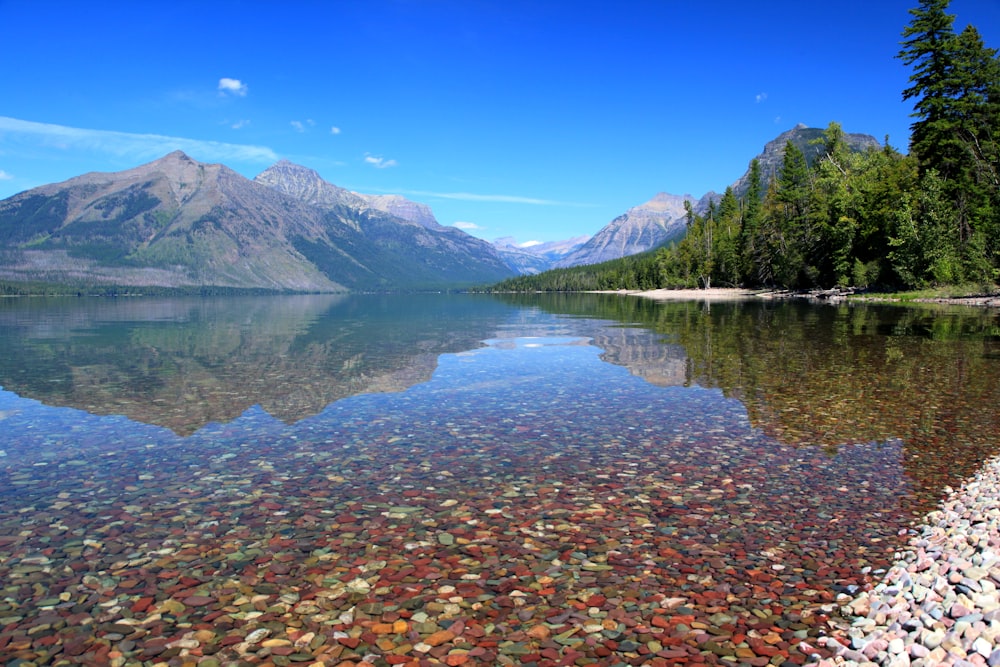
578, 479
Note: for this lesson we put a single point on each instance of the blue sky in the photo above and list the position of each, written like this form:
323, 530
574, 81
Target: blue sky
533, 119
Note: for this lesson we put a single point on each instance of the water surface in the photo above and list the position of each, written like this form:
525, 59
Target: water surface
520, 480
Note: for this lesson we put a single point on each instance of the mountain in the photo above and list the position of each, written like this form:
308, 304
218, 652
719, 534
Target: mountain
530, 258
173, 222
637, 230
308, 186
421, 252
179, 223
809, 140
402, 207
661, 219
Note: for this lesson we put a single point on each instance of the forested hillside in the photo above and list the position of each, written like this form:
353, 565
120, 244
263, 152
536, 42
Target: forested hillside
860, 219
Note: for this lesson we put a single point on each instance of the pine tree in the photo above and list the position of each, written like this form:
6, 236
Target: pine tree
750, 226
956, 88
833, 218
929, 47
978, 127
793, 181
727, 260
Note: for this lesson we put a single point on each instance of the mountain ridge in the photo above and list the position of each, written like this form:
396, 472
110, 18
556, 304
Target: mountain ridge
176, 223
640, 228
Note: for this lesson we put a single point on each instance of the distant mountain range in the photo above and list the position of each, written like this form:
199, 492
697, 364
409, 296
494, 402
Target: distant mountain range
638, 229
536, 257
178, 223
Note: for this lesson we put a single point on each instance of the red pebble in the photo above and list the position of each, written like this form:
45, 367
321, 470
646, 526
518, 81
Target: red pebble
141, 605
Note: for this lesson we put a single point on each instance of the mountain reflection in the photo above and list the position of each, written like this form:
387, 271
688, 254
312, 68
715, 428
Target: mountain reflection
807, 375
834, 375
182, 363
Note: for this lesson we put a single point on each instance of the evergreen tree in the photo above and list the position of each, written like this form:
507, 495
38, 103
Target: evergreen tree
698, 244
956, 88
750, 226
929, 47
793, 181
832, 215
791, 239
727, 238
978, 125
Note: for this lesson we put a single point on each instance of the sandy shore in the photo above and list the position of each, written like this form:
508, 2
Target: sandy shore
713, 294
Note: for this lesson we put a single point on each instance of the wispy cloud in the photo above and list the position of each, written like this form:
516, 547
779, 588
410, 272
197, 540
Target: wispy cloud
528, 244
4, 176
503, 199
232, 87
127, 144
300, 126
240, 124
379, 162
760, 97
334, 130
466, 225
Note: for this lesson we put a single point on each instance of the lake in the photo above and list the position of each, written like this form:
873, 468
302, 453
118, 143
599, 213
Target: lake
456, 479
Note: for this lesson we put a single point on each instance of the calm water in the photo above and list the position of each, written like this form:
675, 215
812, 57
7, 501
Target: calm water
442, 479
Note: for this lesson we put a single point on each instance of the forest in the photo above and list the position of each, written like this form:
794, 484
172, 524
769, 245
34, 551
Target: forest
871, 219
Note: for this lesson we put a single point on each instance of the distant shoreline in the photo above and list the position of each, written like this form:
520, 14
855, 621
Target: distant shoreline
829, 296
712, 294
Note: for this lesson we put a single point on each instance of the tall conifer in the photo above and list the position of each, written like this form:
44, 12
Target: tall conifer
955, 86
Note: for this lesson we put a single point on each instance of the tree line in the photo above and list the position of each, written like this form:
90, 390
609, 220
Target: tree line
853, 219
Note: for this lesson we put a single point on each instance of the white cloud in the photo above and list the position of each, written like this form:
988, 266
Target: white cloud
240, 124
232, 86
133, 146
761, 97
379, 162
528, 244
334, 130
301, 126
466, 225
4, 176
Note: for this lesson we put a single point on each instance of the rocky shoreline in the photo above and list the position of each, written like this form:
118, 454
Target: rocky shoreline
939, 604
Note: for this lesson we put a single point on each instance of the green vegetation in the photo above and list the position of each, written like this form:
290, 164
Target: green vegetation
876, 218
633, 272
32, 218
84, 288
941, 292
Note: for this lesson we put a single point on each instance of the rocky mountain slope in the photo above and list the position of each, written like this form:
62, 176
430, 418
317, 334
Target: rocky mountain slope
662, 219
536, 257
806, 139
401, 207
176, 222
637, 230
426, 251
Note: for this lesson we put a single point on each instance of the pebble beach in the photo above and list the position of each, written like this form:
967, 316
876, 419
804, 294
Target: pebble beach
938, 605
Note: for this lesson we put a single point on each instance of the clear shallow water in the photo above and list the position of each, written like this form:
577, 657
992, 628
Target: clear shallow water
547, 480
